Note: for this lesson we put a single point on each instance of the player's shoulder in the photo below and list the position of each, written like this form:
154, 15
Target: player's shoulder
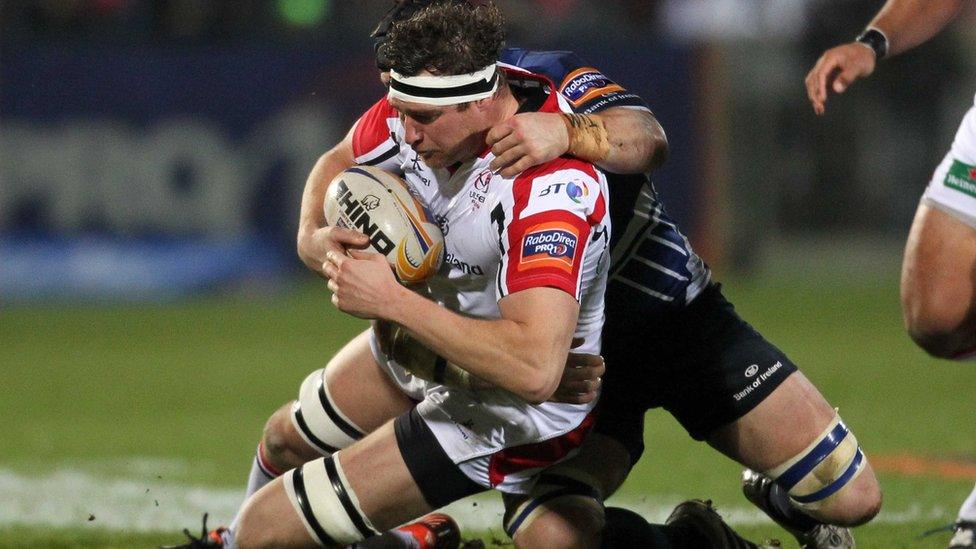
373, 128
564, 166
562, 184
584, 86
555, 64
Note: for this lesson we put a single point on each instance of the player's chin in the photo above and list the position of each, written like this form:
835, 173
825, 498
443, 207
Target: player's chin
434, 160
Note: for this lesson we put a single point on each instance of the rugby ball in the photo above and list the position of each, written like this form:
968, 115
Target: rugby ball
380, 204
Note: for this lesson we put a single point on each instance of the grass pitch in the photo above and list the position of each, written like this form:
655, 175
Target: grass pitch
120, 423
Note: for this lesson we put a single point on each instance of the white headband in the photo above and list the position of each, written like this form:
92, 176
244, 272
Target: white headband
444, 90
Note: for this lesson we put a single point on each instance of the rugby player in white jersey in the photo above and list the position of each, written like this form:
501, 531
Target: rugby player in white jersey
508, 319
938, 294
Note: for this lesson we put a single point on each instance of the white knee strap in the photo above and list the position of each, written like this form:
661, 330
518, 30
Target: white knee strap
318, 420
823, 469
328, 507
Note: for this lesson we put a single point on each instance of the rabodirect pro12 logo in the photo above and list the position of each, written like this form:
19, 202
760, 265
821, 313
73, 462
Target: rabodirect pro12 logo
550, 244
585, 83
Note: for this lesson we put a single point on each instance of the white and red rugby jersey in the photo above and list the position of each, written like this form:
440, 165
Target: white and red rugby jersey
547, 227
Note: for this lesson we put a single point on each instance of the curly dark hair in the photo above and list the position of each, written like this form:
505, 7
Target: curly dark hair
446, 38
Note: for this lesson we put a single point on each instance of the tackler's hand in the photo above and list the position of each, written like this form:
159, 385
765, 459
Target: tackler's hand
313, 245
362, 283
581, 380
526, 140
836, 70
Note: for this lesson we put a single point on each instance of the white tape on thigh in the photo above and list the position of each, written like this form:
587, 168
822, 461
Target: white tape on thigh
318, 420
328, 506
823, 469
288, 479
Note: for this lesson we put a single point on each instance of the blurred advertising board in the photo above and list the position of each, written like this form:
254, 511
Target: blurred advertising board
150, 172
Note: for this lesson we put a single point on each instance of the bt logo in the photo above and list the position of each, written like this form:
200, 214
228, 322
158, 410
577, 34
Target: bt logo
575, 190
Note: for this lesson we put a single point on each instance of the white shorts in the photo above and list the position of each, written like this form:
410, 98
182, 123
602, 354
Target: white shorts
953, 185
495, 439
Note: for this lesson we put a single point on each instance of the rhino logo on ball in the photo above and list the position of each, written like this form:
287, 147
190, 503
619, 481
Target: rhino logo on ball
370, 202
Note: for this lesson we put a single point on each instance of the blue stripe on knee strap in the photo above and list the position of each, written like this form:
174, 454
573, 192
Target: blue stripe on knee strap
571, 487
837, 484
517, 522
803, 467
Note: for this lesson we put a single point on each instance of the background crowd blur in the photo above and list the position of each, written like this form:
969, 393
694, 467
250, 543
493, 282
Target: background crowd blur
150, 149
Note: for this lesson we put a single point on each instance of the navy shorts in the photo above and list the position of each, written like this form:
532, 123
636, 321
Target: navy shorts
701, 362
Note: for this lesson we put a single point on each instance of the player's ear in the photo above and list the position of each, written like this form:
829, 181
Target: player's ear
481, 104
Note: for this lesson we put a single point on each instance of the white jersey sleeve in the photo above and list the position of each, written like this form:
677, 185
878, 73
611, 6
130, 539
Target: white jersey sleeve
374, 139
553, 227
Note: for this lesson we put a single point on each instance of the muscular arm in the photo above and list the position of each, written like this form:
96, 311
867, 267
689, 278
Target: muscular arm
523, 352
906, 23
314, 238
637, 141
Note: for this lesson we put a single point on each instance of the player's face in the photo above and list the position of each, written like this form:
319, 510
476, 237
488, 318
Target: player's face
442, 136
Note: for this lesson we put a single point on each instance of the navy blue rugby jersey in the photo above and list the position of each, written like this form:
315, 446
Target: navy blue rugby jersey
649, 252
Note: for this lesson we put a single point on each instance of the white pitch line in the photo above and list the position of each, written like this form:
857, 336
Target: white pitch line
68, 497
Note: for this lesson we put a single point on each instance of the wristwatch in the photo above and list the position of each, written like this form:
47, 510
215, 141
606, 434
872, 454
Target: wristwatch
876, 40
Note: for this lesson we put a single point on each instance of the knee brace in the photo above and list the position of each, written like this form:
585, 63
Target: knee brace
326, 504
823, 469
317, 419
565, 485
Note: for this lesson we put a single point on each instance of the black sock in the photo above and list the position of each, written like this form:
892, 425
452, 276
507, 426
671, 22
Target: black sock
627, 529
685, 537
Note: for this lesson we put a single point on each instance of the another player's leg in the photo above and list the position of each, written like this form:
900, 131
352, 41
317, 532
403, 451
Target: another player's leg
648, 349
565, 509
806, 469
938, 283
938, 278
964, 536
726, 384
